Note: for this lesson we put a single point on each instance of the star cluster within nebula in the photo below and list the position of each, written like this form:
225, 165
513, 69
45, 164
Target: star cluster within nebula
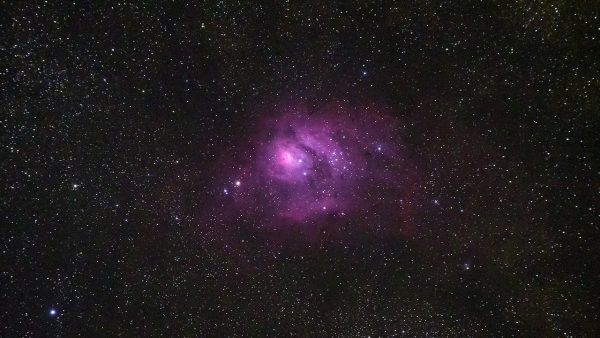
332, 162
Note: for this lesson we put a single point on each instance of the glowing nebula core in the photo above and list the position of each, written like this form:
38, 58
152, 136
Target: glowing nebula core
334, 161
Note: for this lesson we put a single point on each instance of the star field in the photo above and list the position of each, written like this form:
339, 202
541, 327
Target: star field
312, 169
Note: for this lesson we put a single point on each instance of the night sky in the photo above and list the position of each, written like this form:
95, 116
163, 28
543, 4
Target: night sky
311, 169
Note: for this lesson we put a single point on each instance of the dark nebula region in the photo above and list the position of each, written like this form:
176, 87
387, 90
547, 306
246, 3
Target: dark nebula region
307, 168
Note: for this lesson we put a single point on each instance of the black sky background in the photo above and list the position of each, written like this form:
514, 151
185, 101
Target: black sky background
115, 118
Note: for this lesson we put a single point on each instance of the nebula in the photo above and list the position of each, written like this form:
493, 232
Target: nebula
311, 165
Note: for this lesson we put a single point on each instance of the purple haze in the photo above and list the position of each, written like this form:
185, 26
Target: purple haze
333, 162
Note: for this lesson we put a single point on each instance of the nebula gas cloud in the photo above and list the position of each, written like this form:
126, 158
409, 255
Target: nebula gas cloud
312, 166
